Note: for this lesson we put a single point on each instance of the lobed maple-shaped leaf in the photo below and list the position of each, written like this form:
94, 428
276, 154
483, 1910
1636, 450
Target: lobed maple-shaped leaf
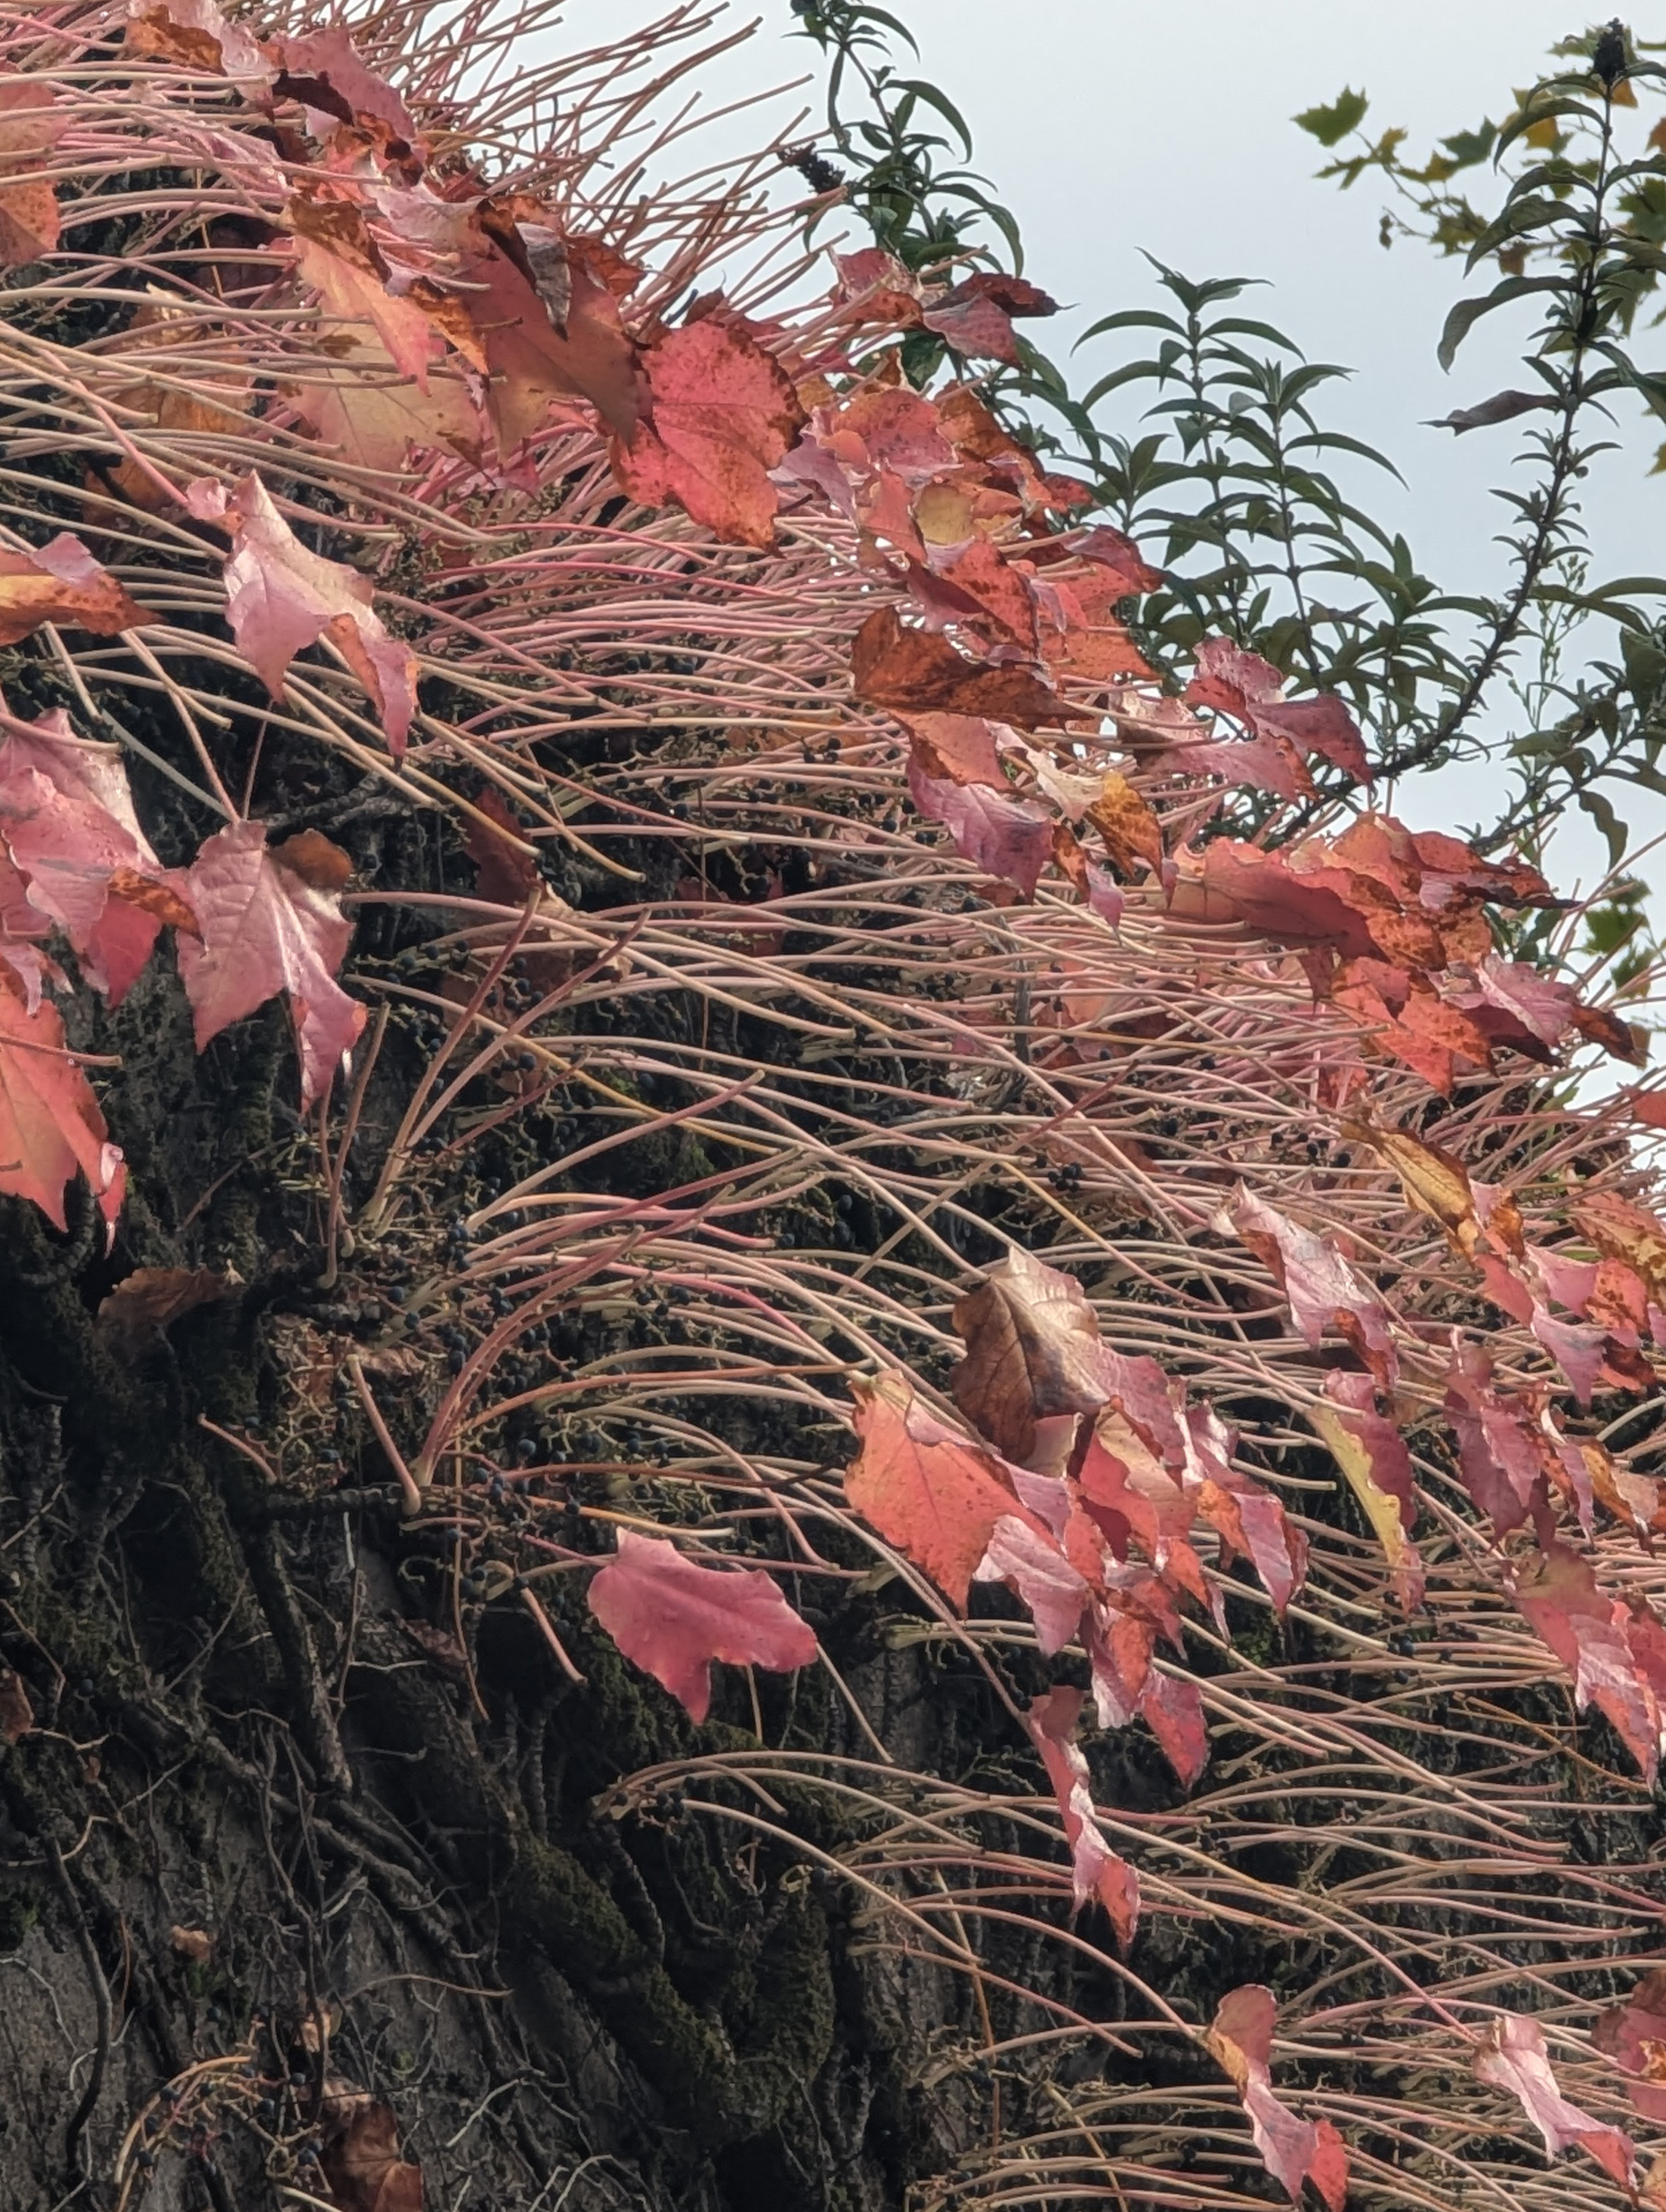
67, 818
1371, 1452
673, 1618
1322, 1289
51, 1126
1011, 838
724, 413
1251, 690
280, 598
1633, 2034
1558, 1595
61, 582
1292, 2150
1033, 1350
1514, 2057
31, 123
926, 1488
1097, 1871
271, 921
911, 671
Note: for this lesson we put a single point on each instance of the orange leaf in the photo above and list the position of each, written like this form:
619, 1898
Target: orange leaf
926, 1488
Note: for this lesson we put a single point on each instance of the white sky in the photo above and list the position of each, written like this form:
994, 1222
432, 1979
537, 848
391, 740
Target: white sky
1110, 125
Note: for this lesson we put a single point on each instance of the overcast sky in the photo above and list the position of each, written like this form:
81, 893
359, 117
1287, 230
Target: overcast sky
1109, 126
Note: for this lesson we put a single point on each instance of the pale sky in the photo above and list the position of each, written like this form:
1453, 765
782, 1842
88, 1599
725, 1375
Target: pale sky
1112, 125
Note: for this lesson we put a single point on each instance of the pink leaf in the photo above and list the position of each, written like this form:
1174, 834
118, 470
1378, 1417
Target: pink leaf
67, 818
280, 598
343, 87
61, 582
272, 921
1514, 2059
1292, 2150
673, 1618
1558, 1595
1322, 1289
1251, 690
1012, 838
1033, 1566
1499, 1450
1096, 1869
1633, 2034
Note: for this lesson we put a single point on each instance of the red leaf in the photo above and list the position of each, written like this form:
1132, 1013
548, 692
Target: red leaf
134, 1316
724, 415
975, 317
1173, 1710
196, 34
1323, 1290
17, 1707
927, 1489
998, 592
265, 928
1633, 2034
1558, 1596
673, 1618
1012, 838
50, 1122
61, 582
1251, 690
1513, 2057
907, 671
1292, 2150
281, 598
1096, 1869
502, 872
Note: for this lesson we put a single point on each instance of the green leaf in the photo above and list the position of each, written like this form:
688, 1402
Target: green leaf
1613, 829
1330, 125
1467, 313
